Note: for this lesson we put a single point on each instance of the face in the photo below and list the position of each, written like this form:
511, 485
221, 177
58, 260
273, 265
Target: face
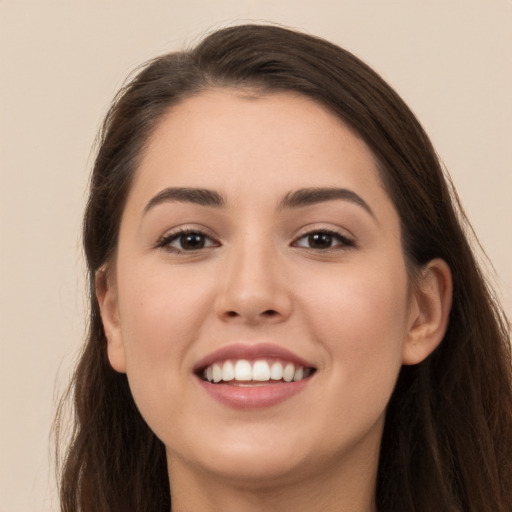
259, 246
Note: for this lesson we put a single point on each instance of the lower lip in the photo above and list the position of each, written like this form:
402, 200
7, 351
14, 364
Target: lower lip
252, 397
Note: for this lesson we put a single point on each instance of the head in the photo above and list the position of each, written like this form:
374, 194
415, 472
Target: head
430, 392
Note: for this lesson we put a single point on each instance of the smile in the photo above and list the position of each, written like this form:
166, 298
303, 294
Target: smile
244, 372
253, 376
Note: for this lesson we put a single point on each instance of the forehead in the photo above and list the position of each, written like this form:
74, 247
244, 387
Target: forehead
229, 140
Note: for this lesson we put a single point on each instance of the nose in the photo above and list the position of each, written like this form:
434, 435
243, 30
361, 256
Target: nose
254, 288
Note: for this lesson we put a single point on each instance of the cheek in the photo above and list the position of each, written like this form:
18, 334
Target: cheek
158, 307
360, 321
161, 314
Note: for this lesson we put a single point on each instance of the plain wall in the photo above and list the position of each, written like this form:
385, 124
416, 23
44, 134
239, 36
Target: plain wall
60, 65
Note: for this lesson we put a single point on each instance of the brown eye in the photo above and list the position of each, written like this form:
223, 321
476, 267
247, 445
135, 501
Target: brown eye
185, 241
192, 241
320, 240
323, 240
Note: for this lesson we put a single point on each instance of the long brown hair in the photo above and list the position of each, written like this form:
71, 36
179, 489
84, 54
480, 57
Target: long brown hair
447, 443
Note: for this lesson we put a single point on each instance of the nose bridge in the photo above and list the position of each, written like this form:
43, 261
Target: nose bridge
254, 289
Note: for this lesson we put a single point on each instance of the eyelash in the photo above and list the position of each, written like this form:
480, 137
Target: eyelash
166, 240
340, 241
343, 241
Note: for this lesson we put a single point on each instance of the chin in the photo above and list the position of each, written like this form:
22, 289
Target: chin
262, 469
250, 459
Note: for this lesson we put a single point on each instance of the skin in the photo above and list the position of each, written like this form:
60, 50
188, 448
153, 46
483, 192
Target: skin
349, 309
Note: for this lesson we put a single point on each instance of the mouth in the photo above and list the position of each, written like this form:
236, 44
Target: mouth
243, 372
253, 376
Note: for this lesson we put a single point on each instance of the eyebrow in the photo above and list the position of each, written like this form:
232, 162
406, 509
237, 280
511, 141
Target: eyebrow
200, 196
296, 199
310, 196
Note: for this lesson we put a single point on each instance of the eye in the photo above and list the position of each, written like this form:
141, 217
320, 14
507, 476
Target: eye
323, 240
186, 241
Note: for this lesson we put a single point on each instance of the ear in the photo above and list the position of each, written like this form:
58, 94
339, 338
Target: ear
106, 294
430, 309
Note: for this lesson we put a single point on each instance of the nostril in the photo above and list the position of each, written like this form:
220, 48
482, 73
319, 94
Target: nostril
269, 313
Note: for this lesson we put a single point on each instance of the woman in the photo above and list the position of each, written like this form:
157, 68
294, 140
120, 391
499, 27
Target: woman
285, 310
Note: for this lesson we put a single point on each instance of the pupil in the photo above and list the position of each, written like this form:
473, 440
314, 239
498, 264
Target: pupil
320, 240
192, 241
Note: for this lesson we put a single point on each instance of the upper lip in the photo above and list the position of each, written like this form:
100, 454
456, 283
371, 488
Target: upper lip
251, 352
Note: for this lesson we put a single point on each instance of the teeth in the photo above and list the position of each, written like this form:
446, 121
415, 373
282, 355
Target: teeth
288, 372
276, 372
228, 371
299, 374
243, 370
217, 373
259, 371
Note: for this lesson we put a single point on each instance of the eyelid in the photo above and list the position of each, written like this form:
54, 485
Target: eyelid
174, 233
346, 240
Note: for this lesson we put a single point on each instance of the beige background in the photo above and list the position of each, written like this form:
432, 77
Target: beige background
61, 63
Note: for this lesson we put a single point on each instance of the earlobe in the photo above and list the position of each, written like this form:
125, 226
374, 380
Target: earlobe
432, 300
106, 294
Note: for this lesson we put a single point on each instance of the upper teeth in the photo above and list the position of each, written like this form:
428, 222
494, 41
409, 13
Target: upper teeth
259, 370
